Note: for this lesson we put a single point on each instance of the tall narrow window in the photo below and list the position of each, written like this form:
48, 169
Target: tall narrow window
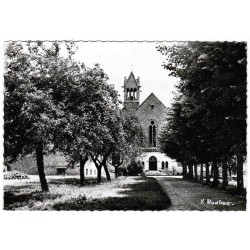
166, 164
86, 171
152, 134
131, 94
135, 94
162, 165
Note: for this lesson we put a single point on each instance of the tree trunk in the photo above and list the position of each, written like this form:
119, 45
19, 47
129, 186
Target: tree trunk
8, 168
190, 174
212, 171
224, 172
82, 164
116, 172
40, 167
99, 173
216, 174
99, 169
195, 172
106, 170
240, 181
207, 173
201, 172
184, 167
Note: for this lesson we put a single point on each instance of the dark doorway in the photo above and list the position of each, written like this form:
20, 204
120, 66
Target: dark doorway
152, 163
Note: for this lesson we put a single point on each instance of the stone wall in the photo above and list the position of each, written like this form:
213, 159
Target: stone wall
151, 110
131, 107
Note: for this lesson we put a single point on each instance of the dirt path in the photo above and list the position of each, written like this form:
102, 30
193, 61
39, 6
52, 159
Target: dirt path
186, 195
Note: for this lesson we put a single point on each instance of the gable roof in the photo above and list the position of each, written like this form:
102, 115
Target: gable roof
152, 95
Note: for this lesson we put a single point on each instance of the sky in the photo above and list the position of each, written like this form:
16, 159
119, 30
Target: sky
118, 59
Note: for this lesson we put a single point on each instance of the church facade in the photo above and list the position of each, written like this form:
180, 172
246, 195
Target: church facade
151, 113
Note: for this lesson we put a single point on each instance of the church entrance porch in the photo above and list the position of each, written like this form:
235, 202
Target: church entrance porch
152, 163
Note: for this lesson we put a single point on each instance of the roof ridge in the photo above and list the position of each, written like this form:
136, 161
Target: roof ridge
148, 98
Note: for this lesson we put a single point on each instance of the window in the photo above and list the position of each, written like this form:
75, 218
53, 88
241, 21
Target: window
166, 164
90, 172
127, 94
152, 134
162, 165
152, 106
131, 94
135, 94
86, 171
143, 163
94, 172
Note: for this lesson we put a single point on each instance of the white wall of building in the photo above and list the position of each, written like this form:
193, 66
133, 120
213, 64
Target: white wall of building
172, 164
90, 170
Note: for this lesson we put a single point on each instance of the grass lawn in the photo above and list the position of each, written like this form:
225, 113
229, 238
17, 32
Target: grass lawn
124, 193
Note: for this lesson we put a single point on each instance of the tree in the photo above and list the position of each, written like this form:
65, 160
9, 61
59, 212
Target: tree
212, 81
121, 139
32, 111
130, 148
90, 104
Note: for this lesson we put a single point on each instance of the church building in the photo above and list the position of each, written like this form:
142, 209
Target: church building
151, 113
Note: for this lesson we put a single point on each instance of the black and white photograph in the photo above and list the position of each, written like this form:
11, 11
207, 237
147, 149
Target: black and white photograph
86, 130
124, 124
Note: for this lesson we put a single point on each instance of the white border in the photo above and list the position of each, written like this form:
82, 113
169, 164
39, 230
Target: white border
124, 20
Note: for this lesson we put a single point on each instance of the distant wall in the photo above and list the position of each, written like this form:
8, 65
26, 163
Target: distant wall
51, 162
28, 165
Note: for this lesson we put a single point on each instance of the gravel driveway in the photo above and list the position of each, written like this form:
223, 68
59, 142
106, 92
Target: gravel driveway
187, 195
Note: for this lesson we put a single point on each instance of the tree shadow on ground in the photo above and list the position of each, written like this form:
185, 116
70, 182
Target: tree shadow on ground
13, 200
143, 195
147, 195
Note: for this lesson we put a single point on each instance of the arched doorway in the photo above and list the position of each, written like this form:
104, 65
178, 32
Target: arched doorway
152, 163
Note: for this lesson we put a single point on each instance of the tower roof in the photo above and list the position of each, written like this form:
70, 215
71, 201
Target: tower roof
131, 76
131, 81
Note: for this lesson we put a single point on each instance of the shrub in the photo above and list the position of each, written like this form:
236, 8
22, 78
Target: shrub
134, 168
15, 175
155, 173
80, 199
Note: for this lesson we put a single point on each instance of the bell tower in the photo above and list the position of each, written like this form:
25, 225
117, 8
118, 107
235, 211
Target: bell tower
131, 93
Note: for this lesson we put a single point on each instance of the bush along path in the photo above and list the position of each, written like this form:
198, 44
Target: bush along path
186, 195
